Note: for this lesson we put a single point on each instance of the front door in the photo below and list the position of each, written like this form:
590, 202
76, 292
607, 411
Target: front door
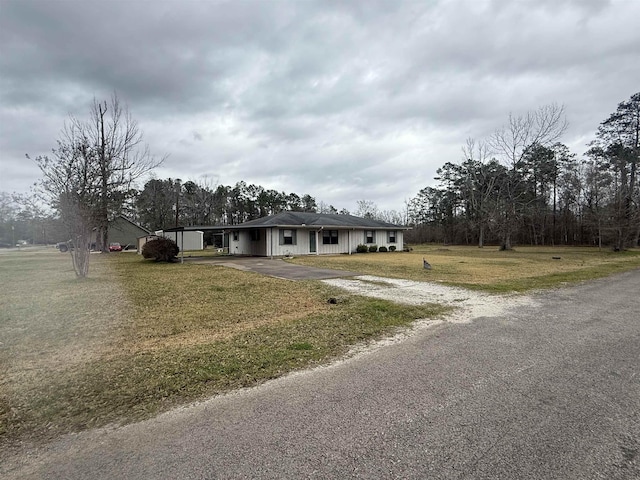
312, 242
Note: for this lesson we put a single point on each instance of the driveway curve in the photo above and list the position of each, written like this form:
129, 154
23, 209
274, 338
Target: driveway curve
549, 389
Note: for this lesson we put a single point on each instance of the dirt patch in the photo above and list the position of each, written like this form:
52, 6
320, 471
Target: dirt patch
468, 304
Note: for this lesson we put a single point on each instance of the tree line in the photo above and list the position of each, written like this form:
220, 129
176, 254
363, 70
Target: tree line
522, 185
170, 202
164, 203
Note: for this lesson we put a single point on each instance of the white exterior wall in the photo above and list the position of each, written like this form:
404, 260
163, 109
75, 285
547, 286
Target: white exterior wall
382, 238
341, 247
300, 248
302, 243
269, 242
246, 246
242, 246
193, 240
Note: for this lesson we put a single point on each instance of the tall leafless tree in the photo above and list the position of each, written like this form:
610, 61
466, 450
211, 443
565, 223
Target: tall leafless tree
89, 174
121, 156
510, 143
71, 184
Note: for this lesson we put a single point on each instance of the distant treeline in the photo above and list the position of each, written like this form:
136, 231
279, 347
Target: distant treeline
519, 186
523, 186
165, 203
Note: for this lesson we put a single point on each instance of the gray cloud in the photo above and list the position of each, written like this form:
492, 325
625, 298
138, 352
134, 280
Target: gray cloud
342, 100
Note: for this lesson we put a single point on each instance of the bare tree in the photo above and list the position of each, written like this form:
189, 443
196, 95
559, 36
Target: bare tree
510, 143
89, 175
70, 183
366, 209
480, 180
120, 154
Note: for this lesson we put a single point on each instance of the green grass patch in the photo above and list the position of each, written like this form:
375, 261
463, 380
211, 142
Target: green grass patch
138, 338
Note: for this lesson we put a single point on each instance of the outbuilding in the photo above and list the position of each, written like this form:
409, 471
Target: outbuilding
187, 240
122, 231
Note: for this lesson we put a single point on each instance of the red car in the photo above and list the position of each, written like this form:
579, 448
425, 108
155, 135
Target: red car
115, 247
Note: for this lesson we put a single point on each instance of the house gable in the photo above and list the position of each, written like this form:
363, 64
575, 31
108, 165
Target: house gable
125, 232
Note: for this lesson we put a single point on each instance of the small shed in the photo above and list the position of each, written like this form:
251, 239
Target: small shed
144, 239
187, 240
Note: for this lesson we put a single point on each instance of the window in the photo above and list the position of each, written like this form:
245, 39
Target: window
369, 236
330, 237
255, 235
236, 234
287, 237
392, 236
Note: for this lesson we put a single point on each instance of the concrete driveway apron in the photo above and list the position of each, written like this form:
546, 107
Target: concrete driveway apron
275, 267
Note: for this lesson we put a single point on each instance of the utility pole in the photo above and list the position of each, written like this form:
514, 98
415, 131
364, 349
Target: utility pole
178, 189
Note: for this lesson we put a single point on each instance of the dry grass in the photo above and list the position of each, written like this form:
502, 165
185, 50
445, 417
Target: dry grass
140, 337
486, 269
190, 304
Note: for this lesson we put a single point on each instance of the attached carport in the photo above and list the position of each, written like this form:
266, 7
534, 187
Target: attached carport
180, 231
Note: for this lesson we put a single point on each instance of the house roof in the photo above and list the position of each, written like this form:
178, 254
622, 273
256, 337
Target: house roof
301, 219
133, 223
122, 217
310, 219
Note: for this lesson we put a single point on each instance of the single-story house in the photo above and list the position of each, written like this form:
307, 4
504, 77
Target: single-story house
122, 231
188, 240
303, 233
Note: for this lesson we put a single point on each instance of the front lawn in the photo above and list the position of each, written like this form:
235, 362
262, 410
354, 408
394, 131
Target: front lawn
138, 338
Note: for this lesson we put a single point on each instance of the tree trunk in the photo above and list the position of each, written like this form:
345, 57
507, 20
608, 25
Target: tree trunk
506, 241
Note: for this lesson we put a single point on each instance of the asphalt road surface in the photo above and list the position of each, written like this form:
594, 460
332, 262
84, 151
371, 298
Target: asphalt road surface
550, 390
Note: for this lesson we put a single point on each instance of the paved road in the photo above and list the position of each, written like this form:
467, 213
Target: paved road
547, 391
273, 267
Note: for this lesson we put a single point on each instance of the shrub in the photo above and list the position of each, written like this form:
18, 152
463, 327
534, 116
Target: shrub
382, 249
373, 248
392, 248
362, 249
161, 249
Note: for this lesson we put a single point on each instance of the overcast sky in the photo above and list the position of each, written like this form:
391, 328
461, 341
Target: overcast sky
340, 100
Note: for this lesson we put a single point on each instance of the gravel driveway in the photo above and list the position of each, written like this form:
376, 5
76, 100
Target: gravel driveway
469, 304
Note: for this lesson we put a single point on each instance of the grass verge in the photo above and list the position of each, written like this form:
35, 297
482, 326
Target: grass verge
486, 269
138, 338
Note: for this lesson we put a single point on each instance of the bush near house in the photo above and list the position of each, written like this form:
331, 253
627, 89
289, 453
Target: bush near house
361, 249
382, 249
373, 248
392, 248
161, 250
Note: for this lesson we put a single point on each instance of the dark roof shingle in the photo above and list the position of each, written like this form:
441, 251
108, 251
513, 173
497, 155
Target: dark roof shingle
316, 220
